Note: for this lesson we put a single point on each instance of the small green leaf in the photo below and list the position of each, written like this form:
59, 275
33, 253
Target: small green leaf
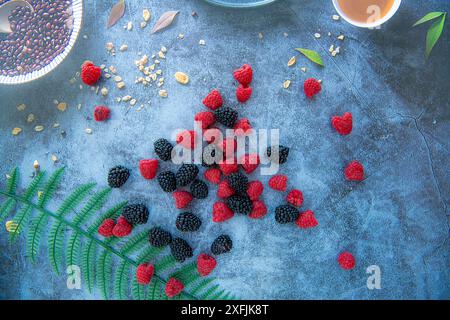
311, 55
434, 34
428, 17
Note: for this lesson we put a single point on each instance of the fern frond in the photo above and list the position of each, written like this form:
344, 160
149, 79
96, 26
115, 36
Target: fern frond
112, 213
148, 254
121, 280
73, 249
154, 290
165, 263
104, 271
137, 290
94, 204
55, 246
187, 274
88, 254
136, 243
6, 208
74, 200
210, 292
11, 186
35, 232
218, 295
201, 285
50, 187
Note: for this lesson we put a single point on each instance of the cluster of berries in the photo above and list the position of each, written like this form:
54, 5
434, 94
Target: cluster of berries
131, 215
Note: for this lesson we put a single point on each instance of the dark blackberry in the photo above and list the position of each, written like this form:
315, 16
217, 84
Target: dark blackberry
117, 176
285, 213
163, 148
199, 189
158, 237
240, 204
222, 244
227, 116
180, 249
283, 153
211, 155
187, 221
186, 174
167, 181
239, 182
135, 213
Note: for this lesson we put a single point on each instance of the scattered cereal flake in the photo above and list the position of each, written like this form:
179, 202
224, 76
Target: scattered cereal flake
181, 77
79, 106
159, 72
123, 48
11, 226
30, 118
39, 128
341, 37
107, 75
319, 81
161, 55
285, 34
129, 26
329, 34
317, 35
21, 107
292, 61
121, 85
55, 101
157, 61
133, 102
109, 46
163, 93
72, 80
336, 17
181, 36
16, 131
331, 49
88, 130
303, 69
36, 165
117, 78
260, 35
113, 69
143, 24
126, 98
54, 158
163, 49
62, 106
146, 15
286, 84
104, 91
202, 42
85, 36
56, 125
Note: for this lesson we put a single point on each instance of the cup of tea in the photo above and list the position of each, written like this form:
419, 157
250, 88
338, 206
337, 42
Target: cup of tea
366, 13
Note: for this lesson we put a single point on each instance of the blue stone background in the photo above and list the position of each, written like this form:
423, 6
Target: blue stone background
397, 218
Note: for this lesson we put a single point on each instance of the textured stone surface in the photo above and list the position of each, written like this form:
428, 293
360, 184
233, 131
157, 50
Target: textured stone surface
396, 218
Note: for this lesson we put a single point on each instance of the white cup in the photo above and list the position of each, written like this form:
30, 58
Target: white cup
372, 22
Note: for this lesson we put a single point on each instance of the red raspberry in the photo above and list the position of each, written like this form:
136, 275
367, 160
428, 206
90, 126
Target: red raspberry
90, 74
106, 228
311, 87
295, 197
182, 199
205, 264
148, 168
255, 189
213, 175
228, 145
213, 100
243, 93
354, 171
306, 220
278, 182
225, 190
205, 119
242, 127
221, 212
187, 138
259, 210
213, 135
228, 168
344, 124
101, 113
244, 75
122, 228
250, 162
346, 260
174, 287
144, 273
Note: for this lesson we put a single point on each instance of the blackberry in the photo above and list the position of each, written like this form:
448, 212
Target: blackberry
117, 176
285, 214
187, 221
158, 237
226, 116
199, 189
135, 213
240, 204
186, 174
222, 244
239, 182
163, 148
167, 181
283, 153
180, 249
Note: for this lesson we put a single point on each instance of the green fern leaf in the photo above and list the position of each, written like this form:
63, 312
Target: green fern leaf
88, 254
6, 208
154, 290
218, 295
112, 213
73, 249
13, 180
94, 204
74, 200
104, 271
187, 274
35, 232
136, 243
138, 290
121, 280
165, 263
201, 285
212, 291
55, 246
148, 254
50, 187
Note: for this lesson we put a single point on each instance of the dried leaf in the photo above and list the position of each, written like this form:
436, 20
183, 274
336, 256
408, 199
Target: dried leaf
116, 13
165, 20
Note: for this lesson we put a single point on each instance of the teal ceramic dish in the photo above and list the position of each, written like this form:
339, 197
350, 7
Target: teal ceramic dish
240, 3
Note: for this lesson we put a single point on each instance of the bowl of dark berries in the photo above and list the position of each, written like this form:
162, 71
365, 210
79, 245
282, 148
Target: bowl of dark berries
41, 34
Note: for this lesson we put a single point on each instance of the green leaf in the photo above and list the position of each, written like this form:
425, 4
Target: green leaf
55, 246
311, 55
34, 235
6, 209
73, 249
12, 181
434, 33
50, 187
104, 270
121, 280
429, 16
136, 242
137, 290
112, 213
74, 199
94, 204
88, 255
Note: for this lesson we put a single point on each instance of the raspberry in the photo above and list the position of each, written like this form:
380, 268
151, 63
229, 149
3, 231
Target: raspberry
346, 260
180, 249
238, 182
213, 135
205, 264
182, 199
173, 287
159, 237
167, 181
213, 100
295, 197
222, 244
228, 146
122, 228
101, 113
186, 174
106, 228
227, 116
255, 189
250, 162
187, 138
354, 171
188, 222
242, 127
228, 168
240, 204
163, 149
243, 93
90, 74
278, 182
221, 212
213, 175
135, 213
278, 154
148, 168
144, 273
243, 75
259, 210
225, 190
205, 119
343, 125
285, 214
199, 189
117, 176
311, 87
306, 220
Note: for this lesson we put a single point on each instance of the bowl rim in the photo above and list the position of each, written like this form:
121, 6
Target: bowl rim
77, 12
226, 4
